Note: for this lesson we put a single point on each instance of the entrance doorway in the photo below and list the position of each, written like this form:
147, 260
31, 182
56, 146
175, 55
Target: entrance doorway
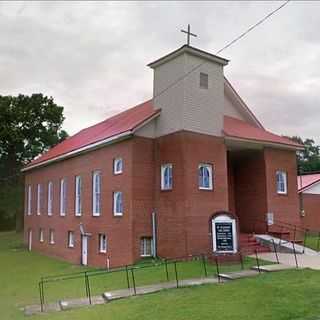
84, 249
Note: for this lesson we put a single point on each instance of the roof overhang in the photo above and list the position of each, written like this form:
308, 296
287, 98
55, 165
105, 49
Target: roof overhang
305, 188
260, 143
190, 50
93, 146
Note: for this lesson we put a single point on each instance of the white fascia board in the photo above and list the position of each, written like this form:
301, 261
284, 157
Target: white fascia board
264, 143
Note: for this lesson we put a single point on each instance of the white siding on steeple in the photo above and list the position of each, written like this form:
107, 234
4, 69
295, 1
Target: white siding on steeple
186, 106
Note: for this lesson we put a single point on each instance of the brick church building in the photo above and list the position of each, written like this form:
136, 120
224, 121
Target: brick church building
152, 179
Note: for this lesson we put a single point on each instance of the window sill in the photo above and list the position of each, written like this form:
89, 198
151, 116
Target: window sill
103, 252
70, 247
166, 190
117, 173
96, 214
51, 243
118, 214
146, 255
282, 193
205, 189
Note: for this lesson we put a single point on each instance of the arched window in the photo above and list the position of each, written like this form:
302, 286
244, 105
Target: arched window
281, 177
96, 193
78, 200
117, 166
117, 203
166, 177
63, 197
50, 197
205, 177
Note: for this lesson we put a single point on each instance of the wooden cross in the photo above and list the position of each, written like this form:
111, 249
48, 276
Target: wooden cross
189, 34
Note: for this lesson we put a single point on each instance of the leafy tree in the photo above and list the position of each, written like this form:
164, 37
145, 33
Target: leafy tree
29, 125
309, 158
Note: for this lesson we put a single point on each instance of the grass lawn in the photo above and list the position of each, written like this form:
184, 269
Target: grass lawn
312, 242
283, 295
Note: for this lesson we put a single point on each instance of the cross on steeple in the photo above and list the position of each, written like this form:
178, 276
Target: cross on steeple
189, 34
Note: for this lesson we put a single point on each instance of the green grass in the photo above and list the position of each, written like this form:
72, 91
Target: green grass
282, 295
312, 242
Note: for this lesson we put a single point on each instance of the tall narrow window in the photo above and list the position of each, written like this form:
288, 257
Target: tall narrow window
29, 200
102, 243
117, 203
146, 249
78, 203
166, 176
117, 166
205, 176
41, 236
51, 236
70, 239
281, 178
39, 196
50, 198
63, 197
96, 193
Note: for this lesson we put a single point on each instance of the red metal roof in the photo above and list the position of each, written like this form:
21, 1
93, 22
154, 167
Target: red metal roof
236, 128
307, 180
111, 127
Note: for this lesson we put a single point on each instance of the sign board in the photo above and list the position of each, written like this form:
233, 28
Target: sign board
224, 234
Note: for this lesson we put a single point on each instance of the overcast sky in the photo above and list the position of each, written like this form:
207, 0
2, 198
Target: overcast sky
91, 57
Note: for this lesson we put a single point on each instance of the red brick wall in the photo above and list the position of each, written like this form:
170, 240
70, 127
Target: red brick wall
250, 190
284, 207
143, 176
311, 205
118, 229
184, 212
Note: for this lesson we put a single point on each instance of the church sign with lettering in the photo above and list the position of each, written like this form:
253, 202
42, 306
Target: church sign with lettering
224, 234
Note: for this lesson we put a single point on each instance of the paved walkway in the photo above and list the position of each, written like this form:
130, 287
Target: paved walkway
304, 260
106, 297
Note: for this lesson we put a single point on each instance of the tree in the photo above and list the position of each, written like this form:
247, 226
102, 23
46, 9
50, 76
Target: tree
309, 158
29, 125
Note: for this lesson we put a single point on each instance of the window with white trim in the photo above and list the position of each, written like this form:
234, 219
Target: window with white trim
50, 198
117, 166
29, 200
51, 236
63, 197
102, 243
70, 239
78, 200
96, 193
146, 247
41, 235
39, 198
166, 176
117, 203
205, 176
281, 180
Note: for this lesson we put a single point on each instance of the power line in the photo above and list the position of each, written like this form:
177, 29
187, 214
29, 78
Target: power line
252, 27
225, 47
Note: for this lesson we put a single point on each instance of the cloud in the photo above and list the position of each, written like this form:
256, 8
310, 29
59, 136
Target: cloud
91, 56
